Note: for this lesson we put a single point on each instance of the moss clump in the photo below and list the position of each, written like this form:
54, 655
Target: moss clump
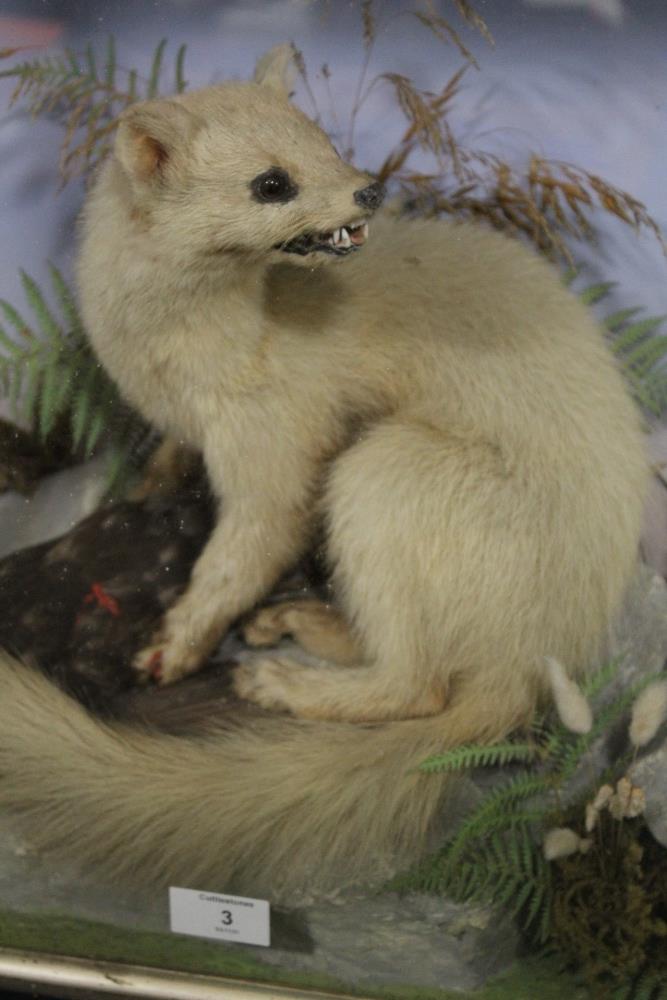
609, 910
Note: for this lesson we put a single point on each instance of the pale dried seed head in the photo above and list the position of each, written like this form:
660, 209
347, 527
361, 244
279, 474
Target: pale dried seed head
637, 803
648, 713
628, 801
616, 807
624, 789
573, 709
592, 815
605, 792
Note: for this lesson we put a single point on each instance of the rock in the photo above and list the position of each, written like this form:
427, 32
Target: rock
59, 501
646, 648
640, 633
378, 938
650, 774
81, 605
417, 940
639, 644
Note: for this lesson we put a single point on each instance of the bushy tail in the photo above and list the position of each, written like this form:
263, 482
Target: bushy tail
275, 807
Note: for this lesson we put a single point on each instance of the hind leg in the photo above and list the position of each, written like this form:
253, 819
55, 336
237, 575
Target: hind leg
317, 627
462, 566
365, 694
400, 509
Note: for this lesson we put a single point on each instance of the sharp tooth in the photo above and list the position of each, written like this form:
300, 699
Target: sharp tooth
345, 240
364, 230
336, 236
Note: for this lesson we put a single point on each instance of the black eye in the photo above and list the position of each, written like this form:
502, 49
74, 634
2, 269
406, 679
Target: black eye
273, 185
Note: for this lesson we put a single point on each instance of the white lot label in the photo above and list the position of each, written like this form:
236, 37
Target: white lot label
225, 918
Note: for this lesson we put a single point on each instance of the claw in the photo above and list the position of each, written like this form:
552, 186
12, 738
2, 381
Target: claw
155, 665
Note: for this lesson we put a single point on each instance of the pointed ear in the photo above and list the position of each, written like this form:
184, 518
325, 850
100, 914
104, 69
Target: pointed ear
151, 135
277, 68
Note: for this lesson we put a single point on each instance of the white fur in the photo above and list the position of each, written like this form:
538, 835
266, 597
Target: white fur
439, 399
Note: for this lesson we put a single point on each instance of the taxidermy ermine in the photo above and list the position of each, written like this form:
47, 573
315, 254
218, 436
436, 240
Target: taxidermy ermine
435, 396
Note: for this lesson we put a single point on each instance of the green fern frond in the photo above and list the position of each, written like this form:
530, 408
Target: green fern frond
120, 465
94, 430
496, 853
50, 372
650, 985
13, 317
499, 811
503, 868
629, 334
34, 376
594, 293
54, 390
644, 356
463, 867
156, 69
653, 390
110, 66
43, 314
598, 679
638, 349
90, 61
9, 346
181, 82
82, 406
65, 299
15, 389
474, 755
132, 85
618, 319
605, 718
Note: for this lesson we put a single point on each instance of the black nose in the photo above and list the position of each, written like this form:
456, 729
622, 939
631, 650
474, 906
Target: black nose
370, 197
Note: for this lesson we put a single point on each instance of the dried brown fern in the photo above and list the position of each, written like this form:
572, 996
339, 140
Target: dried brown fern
84, 97
445, 31
547, 201
374, 17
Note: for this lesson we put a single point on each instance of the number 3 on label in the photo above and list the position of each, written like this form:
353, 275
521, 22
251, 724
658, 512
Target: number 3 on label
226, 918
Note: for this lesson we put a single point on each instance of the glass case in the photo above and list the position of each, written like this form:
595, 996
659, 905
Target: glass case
333, 525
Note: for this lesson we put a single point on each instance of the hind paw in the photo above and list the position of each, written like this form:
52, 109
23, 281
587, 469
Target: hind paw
267, 683
267, 627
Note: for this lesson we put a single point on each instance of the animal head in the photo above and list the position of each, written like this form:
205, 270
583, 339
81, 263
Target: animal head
237, 168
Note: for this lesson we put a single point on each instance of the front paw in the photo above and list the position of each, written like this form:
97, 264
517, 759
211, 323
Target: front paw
166, 661
147, 664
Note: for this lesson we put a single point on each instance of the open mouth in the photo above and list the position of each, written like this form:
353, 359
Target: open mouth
339, 241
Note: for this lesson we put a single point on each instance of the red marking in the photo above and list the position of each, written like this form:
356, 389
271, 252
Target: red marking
99, 595
155, 665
